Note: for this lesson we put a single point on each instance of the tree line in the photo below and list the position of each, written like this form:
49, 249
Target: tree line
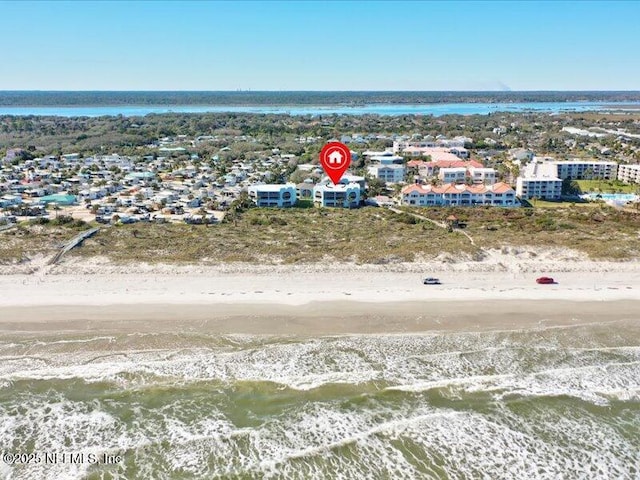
251, 98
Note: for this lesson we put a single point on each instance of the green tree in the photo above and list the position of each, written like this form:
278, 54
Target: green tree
238, 207
376, 187
570, 187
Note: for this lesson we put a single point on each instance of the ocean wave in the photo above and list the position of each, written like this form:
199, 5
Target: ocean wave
542, 404
308, 364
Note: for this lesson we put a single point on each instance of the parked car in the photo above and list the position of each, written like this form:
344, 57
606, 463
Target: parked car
431, 281
545, 280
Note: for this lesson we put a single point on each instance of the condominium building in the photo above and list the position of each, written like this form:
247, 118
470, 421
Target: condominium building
475, 175
453, 175
418, 146
586, 169
460, 152
629, 173
429, 169
346, 179
304, 191
386, 159
413, 147
387, 173
438, 153
539, 180
483, 175
340, 195
273, 195
543, 188
498, 194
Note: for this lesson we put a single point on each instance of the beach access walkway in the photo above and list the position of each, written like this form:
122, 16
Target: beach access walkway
4, 228
435, 222
74, 242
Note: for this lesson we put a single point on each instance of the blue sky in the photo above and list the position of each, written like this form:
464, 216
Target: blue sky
306, 45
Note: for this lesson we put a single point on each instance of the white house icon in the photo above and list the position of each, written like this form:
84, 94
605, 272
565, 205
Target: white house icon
335, 158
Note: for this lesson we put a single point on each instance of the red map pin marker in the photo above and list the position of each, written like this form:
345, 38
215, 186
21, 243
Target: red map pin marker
335, 158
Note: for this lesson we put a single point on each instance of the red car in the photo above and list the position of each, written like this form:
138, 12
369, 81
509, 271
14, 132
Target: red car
545, 280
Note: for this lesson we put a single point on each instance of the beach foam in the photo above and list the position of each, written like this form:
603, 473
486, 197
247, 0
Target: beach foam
543, 403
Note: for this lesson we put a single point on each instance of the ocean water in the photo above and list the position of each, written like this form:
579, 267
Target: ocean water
543, 403
386, 109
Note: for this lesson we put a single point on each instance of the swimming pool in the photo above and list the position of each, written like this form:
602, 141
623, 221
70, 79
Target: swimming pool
615, 197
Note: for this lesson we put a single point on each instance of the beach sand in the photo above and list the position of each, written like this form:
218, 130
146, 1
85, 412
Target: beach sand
316, 370
316, 318
311, 301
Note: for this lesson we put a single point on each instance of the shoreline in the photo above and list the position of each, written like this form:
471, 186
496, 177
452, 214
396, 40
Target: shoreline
314, 318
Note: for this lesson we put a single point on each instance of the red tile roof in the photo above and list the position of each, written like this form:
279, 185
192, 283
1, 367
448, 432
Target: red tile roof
414, 188
500, 187
416, 163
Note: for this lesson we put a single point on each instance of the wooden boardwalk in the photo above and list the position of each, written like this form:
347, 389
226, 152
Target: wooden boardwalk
439, 224
74, 242
4, 228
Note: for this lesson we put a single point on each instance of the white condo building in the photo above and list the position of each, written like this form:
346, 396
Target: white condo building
346, 179
340, 195
283, 195
483, 175
629, 173
387, 173
453, 175
539, 180
415, 145
386, 159
475, 175
543, 179
586, 169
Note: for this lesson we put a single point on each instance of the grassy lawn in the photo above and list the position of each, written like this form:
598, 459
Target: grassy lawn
606, 186
537, 203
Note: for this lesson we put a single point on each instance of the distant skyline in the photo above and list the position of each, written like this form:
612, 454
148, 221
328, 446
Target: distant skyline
306, 45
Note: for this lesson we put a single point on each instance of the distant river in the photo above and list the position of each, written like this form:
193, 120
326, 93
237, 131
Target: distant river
388, 109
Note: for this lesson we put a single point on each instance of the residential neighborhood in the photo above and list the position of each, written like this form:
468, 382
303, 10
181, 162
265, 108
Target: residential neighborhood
174, 183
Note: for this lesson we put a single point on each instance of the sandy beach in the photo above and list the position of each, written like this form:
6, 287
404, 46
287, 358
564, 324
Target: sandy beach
269, 364
315, 298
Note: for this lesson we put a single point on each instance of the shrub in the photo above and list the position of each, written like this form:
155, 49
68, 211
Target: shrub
62, 220
546, 223
277, 221
77, 223
566, 226
405, 218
